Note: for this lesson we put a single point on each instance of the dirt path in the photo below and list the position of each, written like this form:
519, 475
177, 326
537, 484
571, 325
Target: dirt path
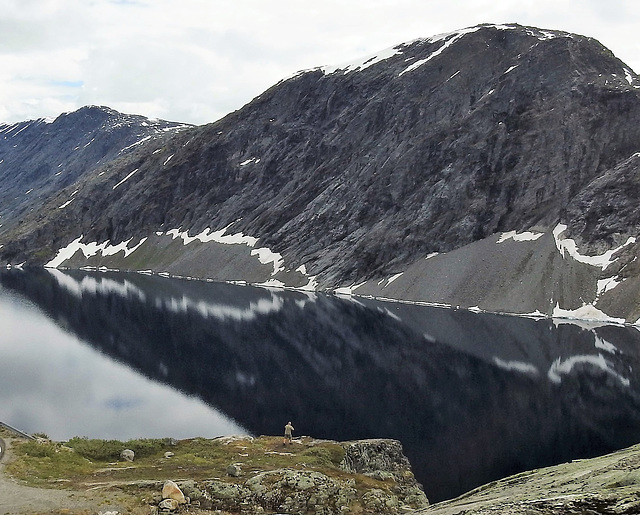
17, 499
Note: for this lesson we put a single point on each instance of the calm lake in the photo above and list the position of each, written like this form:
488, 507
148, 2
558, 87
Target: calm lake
472, 397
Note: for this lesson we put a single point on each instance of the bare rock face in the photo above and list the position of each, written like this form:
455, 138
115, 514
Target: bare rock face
374, 456
384, 459
606, 484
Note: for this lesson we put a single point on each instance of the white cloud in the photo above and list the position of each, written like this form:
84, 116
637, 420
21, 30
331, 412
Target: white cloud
196, 60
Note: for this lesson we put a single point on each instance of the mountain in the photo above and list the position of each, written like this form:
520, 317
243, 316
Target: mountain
506, 155
40, 158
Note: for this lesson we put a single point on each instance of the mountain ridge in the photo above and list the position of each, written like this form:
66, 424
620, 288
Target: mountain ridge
357, 173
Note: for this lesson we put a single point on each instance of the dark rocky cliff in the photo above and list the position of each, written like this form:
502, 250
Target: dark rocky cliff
358, 172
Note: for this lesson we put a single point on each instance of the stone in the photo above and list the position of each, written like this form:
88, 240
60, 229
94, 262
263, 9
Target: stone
169, 454
171, 490
219, 495
379, 501
127, 455
191, 490
380, 475
234, 470
168, 505
301, 491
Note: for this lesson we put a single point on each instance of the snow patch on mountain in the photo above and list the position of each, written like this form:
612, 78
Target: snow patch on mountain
126, 178
390, 279
524, 236
586, 312
608, 284
91, 249
568, 246
217, 236
449, 39
363, 63
265, 256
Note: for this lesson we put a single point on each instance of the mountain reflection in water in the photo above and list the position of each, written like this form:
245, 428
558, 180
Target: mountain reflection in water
472, 397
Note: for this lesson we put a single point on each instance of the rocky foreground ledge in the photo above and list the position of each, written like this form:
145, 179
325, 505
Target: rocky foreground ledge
244, 475
227, 475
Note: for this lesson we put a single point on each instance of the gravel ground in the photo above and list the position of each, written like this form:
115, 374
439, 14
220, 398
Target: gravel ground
17, 499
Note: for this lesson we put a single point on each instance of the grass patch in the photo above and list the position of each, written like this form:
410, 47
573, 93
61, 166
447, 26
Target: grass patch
329, 455
83, 461
40, 462
109, 450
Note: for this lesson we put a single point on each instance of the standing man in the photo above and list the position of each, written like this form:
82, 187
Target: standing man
287, 433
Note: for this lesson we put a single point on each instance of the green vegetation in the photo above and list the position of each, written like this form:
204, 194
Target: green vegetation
83, 460
43, 462
329, 455
109, 450
94, 467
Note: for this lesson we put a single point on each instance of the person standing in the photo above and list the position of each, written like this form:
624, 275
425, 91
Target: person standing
287, 433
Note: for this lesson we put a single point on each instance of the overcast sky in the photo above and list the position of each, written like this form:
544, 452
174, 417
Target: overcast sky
196, 60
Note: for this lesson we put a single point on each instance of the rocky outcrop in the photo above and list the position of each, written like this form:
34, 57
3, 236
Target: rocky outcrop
384, 460
608, 484
374, 456
389, 487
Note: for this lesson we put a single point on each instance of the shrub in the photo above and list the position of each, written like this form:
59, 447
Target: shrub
327, 456
38, 450
109, 450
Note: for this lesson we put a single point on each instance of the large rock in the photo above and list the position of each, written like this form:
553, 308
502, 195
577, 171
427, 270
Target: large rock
168, 505
234, 470
127, 455
218, 495
384, 459
171, 490
375, 455
296, 491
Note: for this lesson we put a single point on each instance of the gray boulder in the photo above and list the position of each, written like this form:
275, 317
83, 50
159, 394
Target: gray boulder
127, 455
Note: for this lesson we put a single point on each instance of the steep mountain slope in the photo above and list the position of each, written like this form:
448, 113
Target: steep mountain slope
42, 157
361, 171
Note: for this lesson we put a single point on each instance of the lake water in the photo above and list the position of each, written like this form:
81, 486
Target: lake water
472, 397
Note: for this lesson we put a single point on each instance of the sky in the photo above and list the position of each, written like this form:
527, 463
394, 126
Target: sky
196, 60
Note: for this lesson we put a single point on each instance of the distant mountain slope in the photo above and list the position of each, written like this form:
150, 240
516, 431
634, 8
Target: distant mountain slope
359, 172
39, 158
